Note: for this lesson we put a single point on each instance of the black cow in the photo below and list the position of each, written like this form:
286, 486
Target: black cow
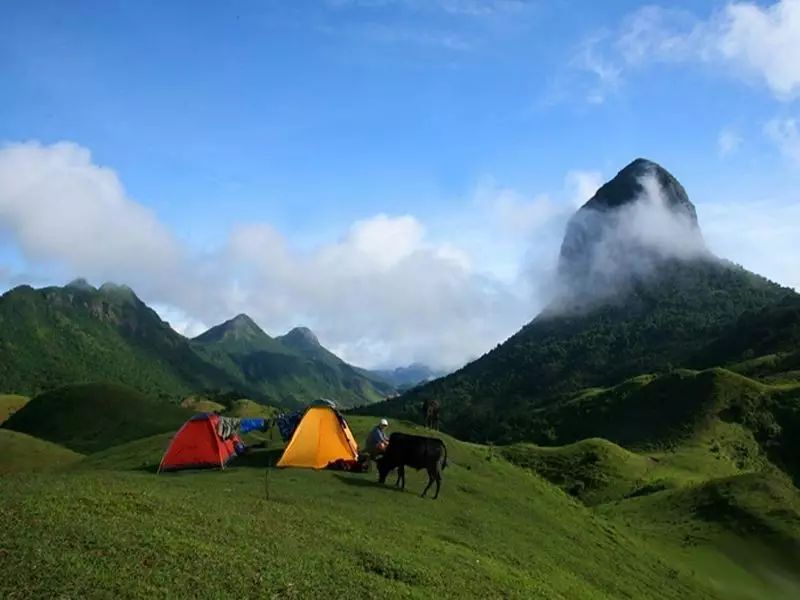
416, 452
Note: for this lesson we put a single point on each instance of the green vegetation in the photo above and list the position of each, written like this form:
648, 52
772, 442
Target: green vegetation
496, 530
59, 336
597, 471
244, 408
9, 404
666, 322
289, 370
21, 453
752, 519
199, 404
594, 470
90, 417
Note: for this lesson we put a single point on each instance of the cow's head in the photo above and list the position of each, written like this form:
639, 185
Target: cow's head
384, 468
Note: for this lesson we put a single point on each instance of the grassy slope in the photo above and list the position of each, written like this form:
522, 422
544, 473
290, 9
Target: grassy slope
23, 453
91, 417
245, 408
680, 408
199, 404
497, 530
742, 531
598, 471
9, 404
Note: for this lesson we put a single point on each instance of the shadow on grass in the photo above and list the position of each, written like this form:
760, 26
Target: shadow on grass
369, 481
258, 459
254, 459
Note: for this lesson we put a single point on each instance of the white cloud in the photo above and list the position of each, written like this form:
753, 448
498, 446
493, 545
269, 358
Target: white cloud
518, 214
384, 292
760, 44
728, 142
513, 212
784, 133
762, 41
582, 185
606, 75
761, 235
59, 206
382, 287
180, 321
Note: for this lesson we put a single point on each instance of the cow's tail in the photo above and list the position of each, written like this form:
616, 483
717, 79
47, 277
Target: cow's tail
444, 462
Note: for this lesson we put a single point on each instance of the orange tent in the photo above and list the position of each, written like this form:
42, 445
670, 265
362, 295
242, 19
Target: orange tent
321, 437
198, 446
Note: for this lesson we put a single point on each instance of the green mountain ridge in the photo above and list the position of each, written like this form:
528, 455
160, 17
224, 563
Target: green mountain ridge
59, 335
289, 369
56, 336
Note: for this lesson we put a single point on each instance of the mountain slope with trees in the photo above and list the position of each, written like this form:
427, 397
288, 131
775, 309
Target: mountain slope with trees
57, 336
630, 301
61, 335
289, 369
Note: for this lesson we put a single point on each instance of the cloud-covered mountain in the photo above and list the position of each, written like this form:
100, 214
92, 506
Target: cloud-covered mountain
639, 293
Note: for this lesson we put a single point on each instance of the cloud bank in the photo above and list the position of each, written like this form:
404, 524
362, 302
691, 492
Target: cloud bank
759, 44
382, 294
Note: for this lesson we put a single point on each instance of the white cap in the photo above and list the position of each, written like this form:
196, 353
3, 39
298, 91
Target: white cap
384, 422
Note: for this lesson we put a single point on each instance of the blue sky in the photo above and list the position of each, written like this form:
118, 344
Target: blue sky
250, 146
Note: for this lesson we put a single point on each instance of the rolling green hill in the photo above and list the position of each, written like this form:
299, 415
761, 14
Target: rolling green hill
21, 453
496, 531
90, 417
244, 408
666, 411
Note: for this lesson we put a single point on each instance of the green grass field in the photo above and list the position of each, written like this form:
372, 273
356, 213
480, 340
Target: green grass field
108, 526
22, 453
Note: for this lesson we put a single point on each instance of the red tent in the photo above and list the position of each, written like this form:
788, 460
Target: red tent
198, 446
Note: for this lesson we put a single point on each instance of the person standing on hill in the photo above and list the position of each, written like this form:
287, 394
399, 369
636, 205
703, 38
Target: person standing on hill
377, 440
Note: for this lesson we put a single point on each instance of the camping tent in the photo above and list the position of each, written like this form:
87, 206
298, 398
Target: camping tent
198, 446
321, 437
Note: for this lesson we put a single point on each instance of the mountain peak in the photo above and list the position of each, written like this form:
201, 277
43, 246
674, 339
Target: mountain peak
303, 335
242, 320
81, 284
240, 327
118, 291
631, 185
633, 223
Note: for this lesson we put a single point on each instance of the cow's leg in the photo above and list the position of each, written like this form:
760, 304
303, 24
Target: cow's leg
401, 477
438, 483
431, 478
